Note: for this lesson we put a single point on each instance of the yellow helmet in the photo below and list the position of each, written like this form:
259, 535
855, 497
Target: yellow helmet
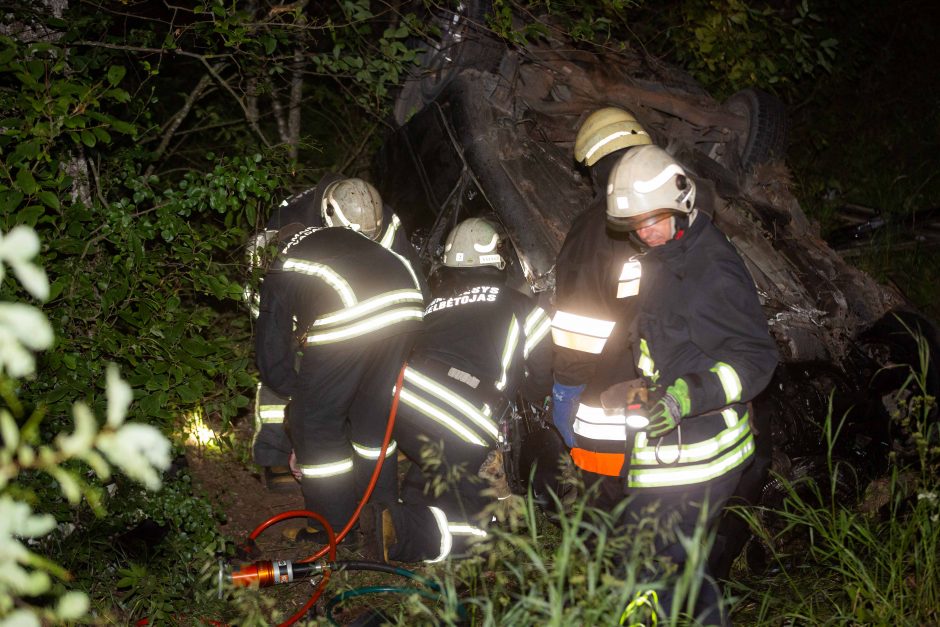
605, 131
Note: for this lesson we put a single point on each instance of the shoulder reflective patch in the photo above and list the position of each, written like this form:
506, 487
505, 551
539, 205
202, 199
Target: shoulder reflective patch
629, 283
388, 238
330, 276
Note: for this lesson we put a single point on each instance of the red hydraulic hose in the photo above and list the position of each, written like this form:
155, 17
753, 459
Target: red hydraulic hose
333, 540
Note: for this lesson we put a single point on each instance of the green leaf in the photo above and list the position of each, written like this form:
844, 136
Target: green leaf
30, 215
115, 74
89, 139
25, 181
49, 199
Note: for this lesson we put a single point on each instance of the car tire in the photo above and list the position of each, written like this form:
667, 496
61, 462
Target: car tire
460, 46
767, 125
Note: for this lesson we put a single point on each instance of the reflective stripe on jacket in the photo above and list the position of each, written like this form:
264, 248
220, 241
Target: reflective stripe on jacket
700, 329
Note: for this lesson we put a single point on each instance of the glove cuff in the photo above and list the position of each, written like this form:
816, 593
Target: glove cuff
672, 406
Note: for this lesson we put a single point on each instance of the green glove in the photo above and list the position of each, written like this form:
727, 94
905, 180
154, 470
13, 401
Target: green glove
669, 409
665, 416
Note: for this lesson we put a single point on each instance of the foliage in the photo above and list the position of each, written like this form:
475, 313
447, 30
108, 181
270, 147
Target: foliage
139, 450
876, 566
730, 44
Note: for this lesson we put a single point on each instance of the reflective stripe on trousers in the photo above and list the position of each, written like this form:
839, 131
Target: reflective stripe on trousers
450, 529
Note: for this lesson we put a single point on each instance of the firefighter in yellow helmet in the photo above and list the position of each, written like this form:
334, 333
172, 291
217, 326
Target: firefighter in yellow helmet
594, 280
350, 307
702, 348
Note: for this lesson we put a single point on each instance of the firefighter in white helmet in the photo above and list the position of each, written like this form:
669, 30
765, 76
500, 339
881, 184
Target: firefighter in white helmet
271, 446
703, 349
482, 343
350, 307
595, 280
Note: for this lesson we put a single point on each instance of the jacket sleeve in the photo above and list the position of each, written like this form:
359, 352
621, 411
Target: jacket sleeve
537, 353
275, 345
583, 319
402, 246
730, 327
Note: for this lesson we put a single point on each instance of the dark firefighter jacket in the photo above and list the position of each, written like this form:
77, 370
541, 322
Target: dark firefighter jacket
488, 337
492, 331
328, 286
595, 285
699, 327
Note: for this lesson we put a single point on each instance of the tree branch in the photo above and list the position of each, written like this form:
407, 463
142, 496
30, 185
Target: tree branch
180, 115
204, 59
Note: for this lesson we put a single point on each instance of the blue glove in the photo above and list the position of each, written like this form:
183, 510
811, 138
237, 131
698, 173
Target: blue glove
565, 399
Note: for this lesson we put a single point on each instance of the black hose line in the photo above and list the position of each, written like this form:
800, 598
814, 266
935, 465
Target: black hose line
382, 567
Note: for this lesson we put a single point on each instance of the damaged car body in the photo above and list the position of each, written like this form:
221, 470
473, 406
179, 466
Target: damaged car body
495, 139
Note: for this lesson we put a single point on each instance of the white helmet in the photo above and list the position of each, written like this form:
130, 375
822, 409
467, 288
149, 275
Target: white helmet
645, 185
354, 204
606, 131
472, 244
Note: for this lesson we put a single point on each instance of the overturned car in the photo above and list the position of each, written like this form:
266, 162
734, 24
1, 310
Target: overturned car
488, 130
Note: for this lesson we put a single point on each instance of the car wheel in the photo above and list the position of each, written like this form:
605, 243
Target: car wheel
766, 135
460, 46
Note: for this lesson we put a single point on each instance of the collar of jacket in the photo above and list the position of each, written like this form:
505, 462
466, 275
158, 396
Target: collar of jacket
672, 254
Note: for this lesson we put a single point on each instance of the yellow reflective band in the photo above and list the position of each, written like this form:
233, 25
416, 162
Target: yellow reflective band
578, 341
373, 453
583, 325
686, 475
512, 340
447, 541
369, 305
326, 273
606, 140
407, 264
271, 414
536, 328
580, 333
729, 381
463, 529
455, 400
692, 452
645, 363
372, 324
440, 416
730, 416
629, 284
319, 471
388, 238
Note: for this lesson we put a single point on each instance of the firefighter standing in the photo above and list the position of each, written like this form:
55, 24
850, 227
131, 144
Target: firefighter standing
596, 280
703, 348
351, 307
270, 444
468, 363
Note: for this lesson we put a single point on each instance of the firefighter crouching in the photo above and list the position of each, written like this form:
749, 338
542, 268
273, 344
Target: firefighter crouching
351, 307
470, 359
596, 280
270, 444
703, 348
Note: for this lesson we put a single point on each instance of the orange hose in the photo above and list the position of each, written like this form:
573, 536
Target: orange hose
334, 539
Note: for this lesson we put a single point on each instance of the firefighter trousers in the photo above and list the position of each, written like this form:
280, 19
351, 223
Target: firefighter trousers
442, 496
677, 511
270, 444
337, 423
